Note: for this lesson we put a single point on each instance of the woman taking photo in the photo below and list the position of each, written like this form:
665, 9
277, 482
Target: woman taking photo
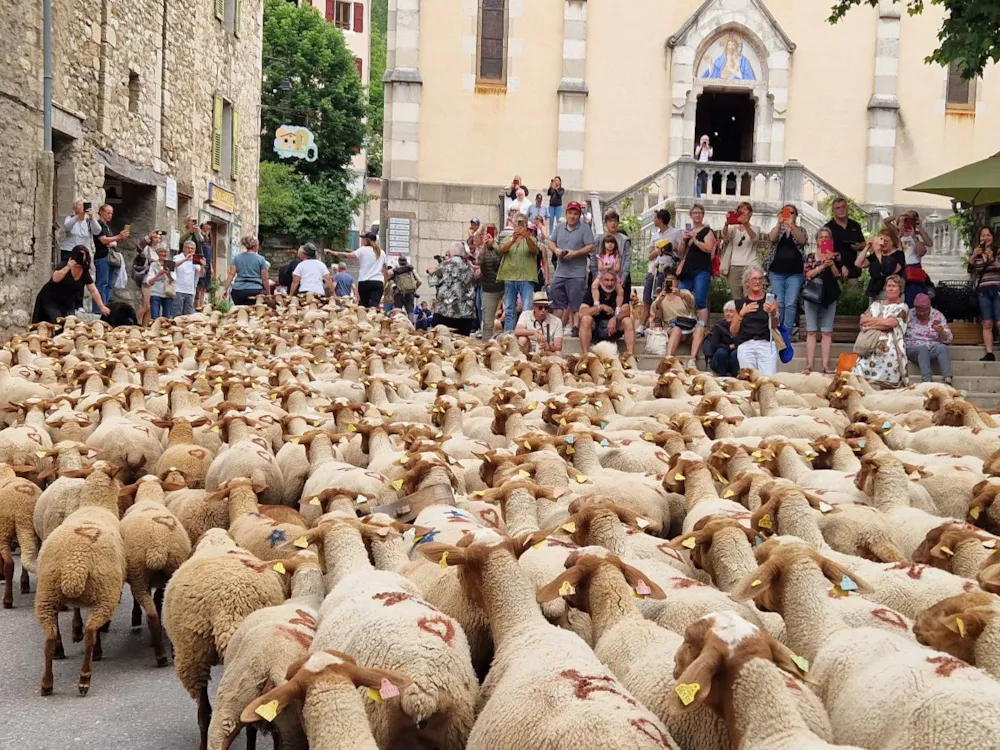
247, 274
738, 249
63, 293
556, 192
160, 281
883, 326
883, 258
695, 270
823, 271
914, 242
373, 272
784, 263
985, 262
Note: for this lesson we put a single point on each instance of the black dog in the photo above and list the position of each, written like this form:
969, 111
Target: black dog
122, 314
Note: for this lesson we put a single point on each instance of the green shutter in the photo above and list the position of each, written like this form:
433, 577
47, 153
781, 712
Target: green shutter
237, 12
236, 144
220, 9
217, 134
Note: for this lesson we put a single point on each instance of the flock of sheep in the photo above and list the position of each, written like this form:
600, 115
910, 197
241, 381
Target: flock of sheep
392, 539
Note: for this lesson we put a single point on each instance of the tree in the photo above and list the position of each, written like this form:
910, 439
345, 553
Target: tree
307, 208
326, 95
376, 91
969, 36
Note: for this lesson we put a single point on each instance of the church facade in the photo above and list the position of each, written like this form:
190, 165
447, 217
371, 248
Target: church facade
608, 93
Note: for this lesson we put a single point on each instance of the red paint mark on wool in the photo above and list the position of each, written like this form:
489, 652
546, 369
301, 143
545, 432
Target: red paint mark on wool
91, 533
585, 685
969, 586
648, 728
303, 639
888, 616
946, 665
255, 565
438, 625
169, 521
490, 518
684, 583
303, 618
392, 598
914, 571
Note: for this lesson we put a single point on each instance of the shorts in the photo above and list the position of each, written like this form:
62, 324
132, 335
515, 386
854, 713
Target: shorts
650, 289
601, 330
699, 285
989, 304
819, 318
567, 293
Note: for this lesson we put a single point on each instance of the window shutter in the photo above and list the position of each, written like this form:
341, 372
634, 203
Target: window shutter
237, 12
220, 9
236, 144
359, 17
331, 6
217, 134
360, 65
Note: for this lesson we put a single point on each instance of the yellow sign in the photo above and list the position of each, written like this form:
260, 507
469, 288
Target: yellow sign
221, 198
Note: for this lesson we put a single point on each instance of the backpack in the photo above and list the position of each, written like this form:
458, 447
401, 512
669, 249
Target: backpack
406, 282
286, 273
140, 267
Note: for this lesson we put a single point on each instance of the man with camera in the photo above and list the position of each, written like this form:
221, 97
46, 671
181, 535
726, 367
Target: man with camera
80, 227
518, 270
106, 242
537, 329
188, 268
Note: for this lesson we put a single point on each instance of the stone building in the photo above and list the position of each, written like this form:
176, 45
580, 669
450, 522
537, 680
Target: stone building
613, 96
156, 111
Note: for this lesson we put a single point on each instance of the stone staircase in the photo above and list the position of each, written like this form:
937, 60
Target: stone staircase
980, 380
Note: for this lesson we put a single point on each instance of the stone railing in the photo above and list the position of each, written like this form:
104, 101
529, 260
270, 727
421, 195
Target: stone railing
945, 261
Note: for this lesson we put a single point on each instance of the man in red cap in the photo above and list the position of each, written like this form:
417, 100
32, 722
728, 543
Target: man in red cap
572, 243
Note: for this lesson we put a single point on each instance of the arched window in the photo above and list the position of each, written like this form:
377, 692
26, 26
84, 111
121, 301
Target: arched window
491, 60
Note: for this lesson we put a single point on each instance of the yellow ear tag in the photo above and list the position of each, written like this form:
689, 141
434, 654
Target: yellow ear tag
801, 662
679, 477
352, 428
397, 484
215, 428
647, 436
973, 511
990, 544
686, 691
373, 694
569, 527
642, 523
279, 567
404, 460
960, 624
947, 551
527, 445
267, 711
755, 583
570, 450
566, 589
689, 543
825, 507
533, 405
315, 501
728, 494
698, 386
907, 427
301, 542
444, 560
41, 454
562, 422
765, 522
523, 473
582, 478
837, 591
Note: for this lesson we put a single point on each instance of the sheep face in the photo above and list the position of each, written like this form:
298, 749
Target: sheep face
942, 543
954, 624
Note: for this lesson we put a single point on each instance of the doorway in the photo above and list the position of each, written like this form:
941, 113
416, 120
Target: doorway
727, 117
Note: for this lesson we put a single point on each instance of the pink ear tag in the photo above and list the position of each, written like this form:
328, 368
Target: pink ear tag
387, 690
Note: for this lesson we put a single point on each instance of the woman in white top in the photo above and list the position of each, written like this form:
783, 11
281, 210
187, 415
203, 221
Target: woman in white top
373, 273
311, 275
188, 270
702, 152
739, 243
159, 280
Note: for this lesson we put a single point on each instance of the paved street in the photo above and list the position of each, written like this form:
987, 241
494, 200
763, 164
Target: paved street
131, 703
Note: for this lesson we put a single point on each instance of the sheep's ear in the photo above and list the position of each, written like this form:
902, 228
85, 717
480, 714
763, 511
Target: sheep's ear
694, 685
444, 554
916, 472
565, 584
787, 660
967, 624
273, 702
838, 575
259, 488
687, 541
540, 536
172, 486
989, 578
128, 490
376, 678
754, 583
639, 581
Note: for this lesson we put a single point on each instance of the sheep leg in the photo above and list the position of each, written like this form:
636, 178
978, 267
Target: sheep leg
50, 650
158, 600
8, 578
204, 716
92, 641
60, 652
136, 614
98, 650
25, 580
251, 737
77, 625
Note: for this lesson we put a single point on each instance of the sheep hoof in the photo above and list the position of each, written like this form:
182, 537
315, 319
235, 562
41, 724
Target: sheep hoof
8, 605
84, 684
46, 690
161, 661
59, 654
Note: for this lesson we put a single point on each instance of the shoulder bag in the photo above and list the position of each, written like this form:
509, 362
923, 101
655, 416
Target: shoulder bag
812, 290
868, 340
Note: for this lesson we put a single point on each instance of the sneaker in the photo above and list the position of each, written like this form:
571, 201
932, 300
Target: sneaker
988, 357
574, 332
640, 331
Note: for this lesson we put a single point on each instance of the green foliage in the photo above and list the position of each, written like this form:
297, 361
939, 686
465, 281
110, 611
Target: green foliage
276, 198
854, 211
969, 36
314, 208
852, 296
221, 304
718, 294
965, 222
326, 95
376, 102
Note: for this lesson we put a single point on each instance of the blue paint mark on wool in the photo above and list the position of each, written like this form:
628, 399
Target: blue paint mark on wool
277, 536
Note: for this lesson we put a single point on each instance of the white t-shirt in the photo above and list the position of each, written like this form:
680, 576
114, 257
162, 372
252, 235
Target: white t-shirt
909, 245
552, 326
311, 272
676, 237
369, 267
186, 275
521, 206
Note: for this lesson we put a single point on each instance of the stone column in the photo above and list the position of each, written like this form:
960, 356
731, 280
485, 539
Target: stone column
883, 109
400, 131
573, 94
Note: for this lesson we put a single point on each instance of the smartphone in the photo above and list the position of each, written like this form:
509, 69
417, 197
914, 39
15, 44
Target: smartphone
733, 217
688, 227
826, 245
199, 258
169, 265
786, 214
128, 227
907, 224
87, 205
491, 230
769, 298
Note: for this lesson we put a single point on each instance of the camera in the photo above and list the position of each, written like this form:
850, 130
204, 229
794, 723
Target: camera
87, 205
439, 258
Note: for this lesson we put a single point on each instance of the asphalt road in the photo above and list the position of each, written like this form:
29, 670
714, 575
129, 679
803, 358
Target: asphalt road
131, 703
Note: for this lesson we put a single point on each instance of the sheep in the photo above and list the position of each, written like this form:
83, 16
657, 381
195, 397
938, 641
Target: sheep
964, 626
17, 506
123, 442
325, 685
258, 534
956, 548
207, 599
880, 689
260, 652
82, 564
247, 456
543, 676
968, 441
156, 545
62, 496
182, 454
689, 472
810, 428
197, 510
730, 664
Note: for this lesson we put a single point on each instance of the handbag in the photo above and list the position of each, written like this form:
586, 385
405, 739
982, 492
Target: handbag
169, 288
716, 265
656, 342
686, 324
812, 291
868, 340
915, 275
115, 259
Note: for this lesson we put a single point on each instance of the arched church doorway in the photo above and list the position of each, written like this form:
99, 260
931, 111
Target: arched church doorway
727, 118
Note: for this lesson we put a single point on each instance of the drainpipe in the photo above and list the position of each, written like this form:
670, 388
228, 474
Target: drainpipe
47, 72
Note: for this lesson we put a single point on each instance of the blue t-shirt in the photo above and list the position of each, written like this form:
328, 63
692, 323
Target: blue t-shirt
343, 282
248, 267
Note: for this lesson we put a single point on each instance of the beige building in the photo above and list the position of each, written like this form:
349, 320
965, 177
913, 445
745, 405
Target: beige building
156, 111
613, 101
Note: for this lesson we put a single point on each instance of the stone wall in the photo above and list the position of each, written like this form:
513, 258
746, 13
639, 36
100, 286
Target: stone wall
179, 56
